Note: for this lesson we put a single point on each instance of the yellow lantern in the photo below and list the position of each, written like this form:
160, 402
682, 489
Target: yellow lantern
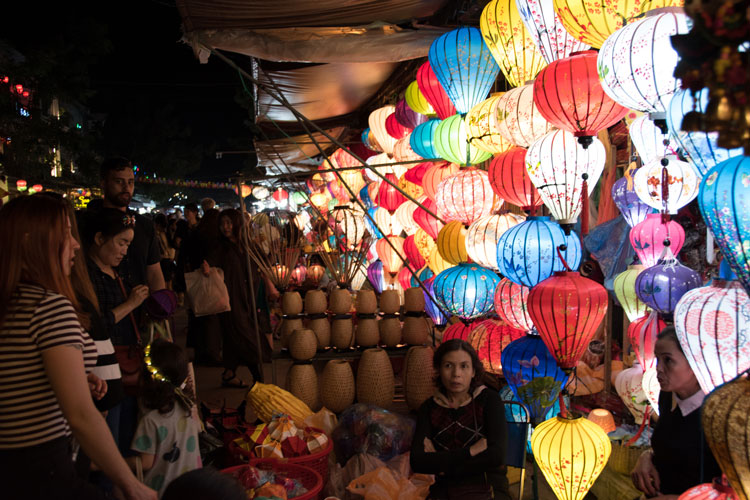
451, 242
510, 43
410, 188
353, 179
571, 453
376, 121
624, 286
319, 200
593, 22
483, 126
424, 243
416, 101
436, 262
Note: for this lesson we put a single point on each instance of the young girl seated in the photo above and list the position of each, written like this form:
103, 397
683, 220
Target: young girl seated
167, 436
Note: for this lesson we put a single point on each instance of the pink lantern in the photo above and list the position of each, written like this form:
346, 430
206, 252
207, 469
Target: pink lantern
417, 173
299, 274
427, 222
404, 278
642, 334
465, 196
489, 338
510, 304
648, 236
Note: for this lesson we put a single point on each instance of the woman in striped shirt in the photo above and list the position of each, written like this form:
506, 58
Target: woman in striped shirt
45, 393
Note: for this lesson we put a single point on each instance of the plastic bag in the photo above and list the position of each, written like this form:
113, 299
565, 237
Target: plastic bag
207, 294
324, 419
383, 484
370, 429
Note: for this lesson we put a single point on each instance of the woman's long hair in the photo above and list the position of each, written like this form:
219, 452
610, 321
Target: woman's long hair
457, 345
34, 230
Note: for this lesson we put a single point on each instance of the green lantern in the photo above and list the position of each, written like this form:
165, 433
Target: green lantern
452, 143
299, 197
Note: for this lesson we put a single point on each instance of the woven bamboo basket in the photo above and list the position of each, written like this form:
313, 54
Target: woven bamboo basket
342, 333
416, 331
390, 302
419, 383
322, 329
337, 387
375, 383
623, 458
367, 302
367, 334
414, 299
302, 381
315, 302
340, 301
303, 344
291, 303
390, 332
288, 326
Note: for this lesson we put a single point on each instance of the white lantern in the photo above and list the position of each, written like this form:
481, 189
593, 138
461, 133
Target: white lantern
651, 388
629, 386
350, 224
547, 30
648, 140
556, 164
387, 223
405, 216
483, 235
261, 192
520, 121
377, 127
684, 182
402, 150
465, 196
636, 63
381, 163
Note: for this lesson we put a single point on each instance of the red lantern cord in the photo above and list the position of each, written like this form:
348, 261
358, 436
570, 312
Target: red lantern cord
562, 259
646, 415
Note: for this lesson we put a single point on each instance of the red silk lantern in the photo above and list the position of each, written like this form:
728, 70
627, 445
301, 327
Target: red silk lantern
434, 93
412, 253
416, 174
280, 195
718, 489
570, 96
388, 196
510, 180
457, 331
435, 175
566, 309
430, 224
404, 277
390, 254
489, 338
511, 304
642, 334
394, 128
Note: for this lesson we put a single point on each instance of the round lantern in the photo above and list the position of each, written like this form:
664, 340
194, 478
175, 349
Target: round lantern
402, 151
547, 31
648, 237
315, 273
713, 326
377, 124
451, 143
558, 166
510, 42
725, 207
650, 142
379, 165
299, 274
566, 310
660, 287
458, 330
569, 95
682, 183
488, 338
603, 418
631, 207
433, 92
483, 235
387, 223
389, 197
511, 301
280, 195
391, 253
427, 221
407, 117
637, 62
353, 179
466, 290
416, 174
405, 217
465, 196
319, 200
416, 101
424, 242
261, 192
527, 252
629, 386
451, 242
571, 453
510, 180
700, 148
624, 287
21, 185
368, 139
532, 374
484, 127
422, 139
410, 189
642, 334
718, 489
375, 276
521, 123
464, 66
348, 226
435, 174
436, 262
394, 128
244, 189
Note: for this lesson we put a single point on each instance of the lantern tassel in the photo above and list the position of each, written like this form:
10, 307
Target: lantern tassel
664, 190
646, 415
585, 206
563, 407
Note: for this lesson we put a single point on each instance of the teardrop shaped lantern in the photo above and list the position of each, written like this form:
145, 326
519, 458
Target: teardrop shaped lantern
521, 123
511, 304
394, 128
466, 290
416, 101
433, 92
636, 64
412, 253
725, 207
427, 222
642, 334
435, 313
651, 388
389, 197
624, 287
566, 310
489, 338
648, 238
435, 175
713, 326
650, 142
483, 235
571, 453
403, 151
630, 205
405, 216
464, 66
451, 143
532, 374
387, 223
422, 139
375, 276
547, 30
527, 252
424, 242
569, 95
405, 276
465, 196
660, 287
391, 252
681, 186
484, 127
377, 124
558, 166
510, 42
451, 242
510, 180
407, 117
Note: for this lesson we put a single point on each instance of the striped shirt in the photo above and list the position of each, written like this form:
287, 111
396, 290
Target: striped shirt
37, 320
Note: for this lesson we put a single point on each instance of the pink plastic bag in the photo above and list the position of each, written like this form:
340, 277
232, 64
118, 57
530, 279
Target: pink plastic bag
207, 294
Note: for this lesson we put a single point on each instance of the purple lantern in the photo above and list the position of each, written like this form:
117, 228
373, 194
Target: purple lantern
375, 276
407, 116
631, 207
660, 287
430, 307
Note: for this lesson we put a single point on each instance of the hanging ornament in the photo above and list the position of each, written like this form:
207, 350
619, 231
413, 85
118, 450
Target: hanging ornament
642, 334
411, 189
631, 207
405, 277
368, 139
520, 121
387, 222
648, 238
424, 242
511, 301
436, 314
433, 92
377, 122
405, 216
651, 388
389, 196
348, 225
422, 139
390, 251
436, 262
394, 128
465, 196
375, 276
458, 330
651, 143
407, 117
483, 127
451, 242
416, 174
660, 287
412, 252
416, 101
667, 184
624, 287
451, 143
382, 165
483, 235
629, 386
489, 338
466, 290
435, 175
718, 489
511, 182
547, 31
403, 152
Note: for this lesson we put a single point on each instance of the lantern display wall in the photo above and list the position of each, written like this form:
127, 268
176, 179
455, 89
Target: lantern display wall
547, 30
466, 290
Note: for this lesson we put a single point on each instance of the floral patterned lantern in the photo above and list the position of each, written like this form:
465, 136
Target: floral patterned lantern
377, 124
725, 206
411, 189
405, 216
464, 66
388, 196
521, 123
648, 238
718, 489
629, 386
488, 338
427, 222
651, 143
433, 311
435, 175
368, 139
660, 287
422, 139
424, 242
394, 128
407, 117
571, 453
433, 92
483, 235
416, 101
391, 253
402, 151
483, 126
631, 207
375, 276
510, 42
624, 287
510, 180
636, 63
651, 388
452, 143
547, 30
682, 183
451, 242
511, 301
713, 326
533, 375
466, 290
465, 196
561, 169
642, 334
566, 310
569, 95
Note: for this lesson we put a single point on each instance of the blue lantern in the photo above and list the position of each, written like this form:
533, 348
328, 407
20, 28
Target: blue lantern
424, 274
375, 276
514, 414
433, 311
466, 290
364, 195
372, 227
421, 139
573, 253
630, 205
533, 375
527, 252
725, 272
724, 200
700, 148
464, 66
